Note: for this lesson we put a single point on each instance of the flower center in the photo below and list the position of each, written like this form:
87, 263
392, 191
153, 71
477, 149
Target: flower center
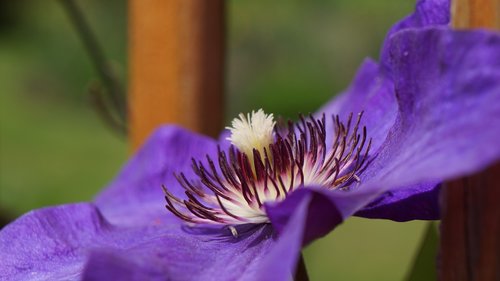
265, 164
255, 131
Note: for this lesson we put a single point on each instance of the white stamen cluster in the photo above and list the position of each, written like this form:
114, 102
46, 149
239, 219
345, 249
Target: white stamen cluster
265, 165
253, 131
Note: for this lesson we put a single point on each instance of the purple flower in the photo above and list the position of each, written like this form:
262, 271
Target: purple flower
431, 113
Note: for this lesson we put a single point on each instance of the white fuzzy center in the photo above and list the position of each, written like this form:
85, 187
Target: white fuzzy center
253, 131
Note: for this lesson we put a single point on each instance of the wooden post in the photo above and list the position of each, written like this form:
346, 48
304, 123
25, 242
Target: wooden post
470, 228
176, 59
476, 14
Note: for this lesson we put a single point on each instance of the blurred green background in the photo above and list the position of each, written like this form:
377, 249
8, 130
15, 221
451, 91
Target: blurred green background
284, 56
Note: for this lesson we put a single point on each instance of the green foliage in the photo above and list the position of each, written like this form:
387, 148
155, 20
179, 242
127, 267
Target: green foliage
53, 147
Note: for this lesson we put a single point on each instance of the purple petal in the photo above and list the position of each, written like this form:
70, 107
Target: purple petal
427, 13
322, 214
437, 88
222, 139
325, 209
184, 256
47, 244
253, 255
328, 208
312, 212
372, 92
420, 202
54, 243
219, 256
448, 85
108, 265
135, 196
281, 261
74, 241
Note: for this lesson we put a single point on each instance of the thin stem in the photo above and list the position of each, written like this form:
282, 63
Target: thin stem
96, 94
301, 271
108, 77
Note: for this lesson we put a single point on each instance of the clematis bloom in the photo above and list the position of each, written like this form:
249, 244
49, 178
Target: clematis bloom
430, 108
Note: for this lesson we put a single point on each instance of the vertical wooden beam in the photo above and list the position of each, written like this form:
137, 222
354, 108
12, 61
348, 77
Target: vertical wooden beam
470, 228
476, 14
176, 62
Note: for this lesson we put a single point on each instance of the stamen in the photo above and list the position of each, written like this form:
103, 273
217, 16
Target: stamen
265, 165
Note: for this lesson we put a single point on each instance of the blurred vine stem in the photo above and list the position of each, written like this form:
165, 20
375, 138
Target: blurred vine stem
109, 101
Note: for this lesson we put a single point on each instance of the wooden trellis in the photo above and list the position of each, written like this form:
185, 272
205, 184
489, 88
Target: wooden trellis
176, 65
470, 229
